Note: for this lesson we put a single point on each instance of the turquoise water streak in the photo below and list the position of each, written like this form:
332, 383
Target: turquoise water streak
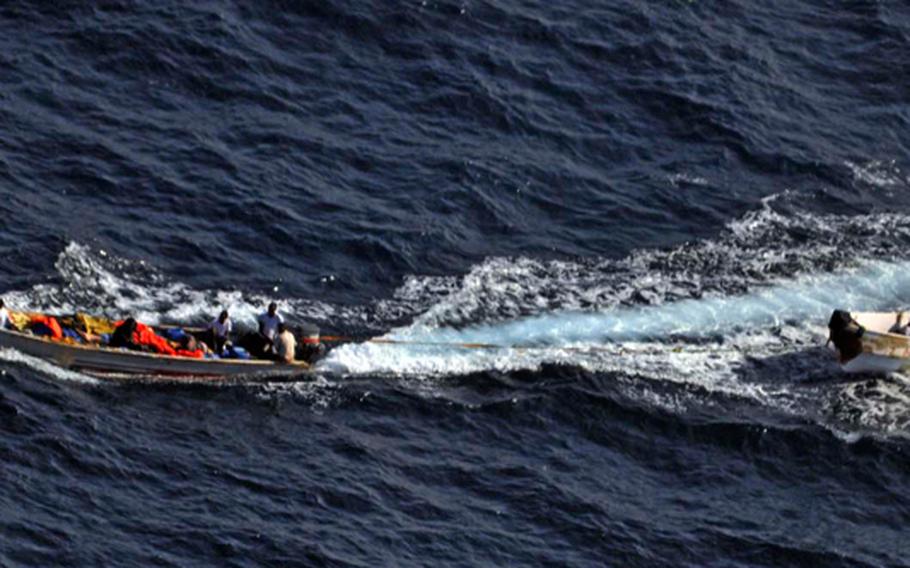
872, 286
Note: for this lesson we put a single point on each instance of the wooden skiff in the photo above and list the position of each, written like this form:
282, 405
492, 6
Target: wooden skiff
114, 362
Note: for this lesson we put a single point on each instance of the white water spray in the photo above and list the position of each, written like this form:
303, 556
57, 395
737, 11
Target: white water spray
806, 301
874, 286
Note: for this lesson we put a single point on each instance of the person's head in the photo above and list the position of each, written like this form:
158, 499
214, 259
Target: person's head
273, 307
282, 327
223, 316
2, 305
901, 318
189, 342
129, 324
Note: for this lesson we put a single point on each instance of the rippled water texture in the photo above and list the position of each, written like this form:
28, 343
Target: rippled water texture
644, 210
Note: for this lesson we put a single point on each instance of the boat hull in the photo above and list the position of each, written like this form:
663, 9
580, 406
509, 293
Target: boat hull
864, 344
103, 361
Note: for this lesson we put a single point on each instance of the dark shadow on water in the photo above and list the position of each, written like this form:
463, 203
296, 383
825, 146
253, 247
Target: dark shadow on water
805, 366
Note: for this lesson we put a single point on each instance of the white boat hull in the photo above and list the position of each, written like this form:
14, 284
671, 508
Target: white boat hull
103, 361
866, 346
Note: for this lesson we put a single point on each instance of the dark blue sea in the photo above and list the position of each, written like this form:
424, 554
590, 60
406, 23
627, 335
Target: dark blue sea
650, 207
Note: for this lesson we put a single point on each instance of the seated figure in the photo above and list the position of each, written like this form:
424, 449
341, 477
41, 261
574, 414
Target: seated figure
219, 332
125, 335
285, 345
900, 325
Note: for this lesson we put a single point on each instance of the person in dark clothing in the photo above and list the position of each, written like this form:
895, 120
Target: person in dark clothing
255, 344
125, 335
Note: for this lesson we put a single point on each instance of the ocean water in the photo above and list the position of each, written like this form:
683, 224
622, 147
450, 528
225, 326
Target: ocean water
645, 210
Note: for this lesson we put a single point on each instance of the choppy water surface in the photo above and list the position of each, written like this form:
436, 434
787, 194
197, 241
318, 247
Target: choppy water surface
649, 207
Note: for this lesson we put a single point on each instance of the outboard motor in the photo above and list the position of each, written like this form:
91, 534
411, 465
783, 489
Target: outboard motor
846, 335
309, 348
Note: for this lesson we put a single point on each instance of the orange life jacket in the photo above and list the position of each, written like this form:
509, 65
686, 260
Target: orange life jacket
195, 354
145, 335
49, 321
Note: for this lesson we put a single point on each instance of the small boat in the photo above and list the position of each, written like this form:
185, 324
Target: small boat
116, 363
864, 343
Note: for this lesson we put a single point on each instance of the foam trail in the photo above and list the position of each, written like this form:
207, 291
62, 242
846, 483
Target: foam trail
874, 285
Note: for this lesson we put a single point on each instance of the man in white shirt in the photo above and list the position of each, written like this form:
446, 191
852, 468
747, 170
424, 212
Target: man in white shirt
4, 315
268, 323
220, 328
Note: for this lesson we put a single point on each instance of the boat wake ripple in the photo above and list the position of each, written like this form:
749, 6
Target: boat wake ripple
741, 318
733, 318
43, 367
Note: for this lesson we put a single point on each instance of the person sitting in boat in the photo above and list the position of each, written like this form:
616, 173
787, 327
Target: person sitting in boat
269, 322
900, 325
4, 316
189, 347
285, 345
260, 343
220, 330
125, 336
